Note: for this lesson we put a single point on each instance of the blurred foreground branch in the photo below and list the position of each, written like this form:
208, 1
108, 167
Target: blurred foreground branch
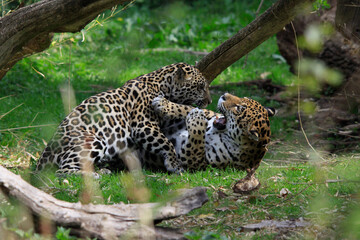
30, 29
251, 36
101, 221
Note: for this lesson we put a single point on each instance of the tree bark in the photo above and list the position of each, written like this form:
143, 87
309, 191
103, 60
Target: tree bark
347, 19
29, 30
251, 36
101, 221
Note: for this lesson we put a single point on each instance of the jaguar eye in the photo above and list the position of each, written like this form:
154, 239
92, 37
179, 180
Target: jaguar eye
240, 108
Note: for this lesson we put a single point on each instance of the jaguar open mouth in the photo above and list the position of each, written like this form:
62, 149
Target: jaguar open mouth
220, 122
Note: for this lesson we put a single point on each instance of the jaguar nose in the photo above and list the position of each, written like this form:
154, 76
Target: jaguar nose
208, 99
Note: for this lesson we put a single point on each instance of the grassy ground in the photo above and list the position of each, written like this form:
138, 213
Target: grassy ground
110, 51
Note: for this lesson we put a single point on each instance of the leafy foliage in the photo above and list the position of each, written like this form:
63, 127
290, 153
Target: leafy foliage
64, 234
321, 4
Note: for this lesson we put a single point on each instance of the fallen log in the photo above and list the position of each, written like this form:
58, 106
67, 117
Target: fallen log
102, 221
275, 224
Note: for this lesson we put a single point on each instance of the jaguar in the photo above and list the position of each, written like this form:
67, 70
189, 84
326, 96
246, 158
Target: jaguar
237, 137
111, 126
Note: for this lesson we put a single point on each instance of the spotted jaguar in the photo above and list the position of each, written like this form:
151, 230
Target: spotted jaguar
111, 126
237, 137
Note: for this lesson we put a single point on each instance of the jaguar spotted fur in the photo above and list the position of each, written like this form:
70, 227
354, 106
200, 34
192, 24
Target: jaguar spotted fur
111, 126
237, 137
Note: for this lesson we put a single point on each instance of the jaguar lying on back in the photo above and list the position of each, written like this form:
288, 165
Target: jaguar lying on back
237, 138
111, 126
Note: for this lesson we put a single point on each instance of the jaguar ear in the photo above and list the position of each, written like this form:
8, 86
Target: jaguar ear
179, 75
271, 111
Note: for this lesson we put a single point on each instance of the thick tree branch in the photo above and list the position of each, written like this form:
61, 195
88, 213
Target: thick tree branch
101, 221
248, 38
29, 30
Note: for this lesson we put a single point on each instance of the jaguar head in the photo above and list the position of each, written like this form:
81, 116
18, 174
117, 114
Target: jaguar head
244, 117
190, 87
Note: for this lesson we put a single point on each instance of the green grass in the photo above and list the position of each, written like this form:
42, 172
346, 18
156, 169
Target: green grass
331, 208
106, 55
